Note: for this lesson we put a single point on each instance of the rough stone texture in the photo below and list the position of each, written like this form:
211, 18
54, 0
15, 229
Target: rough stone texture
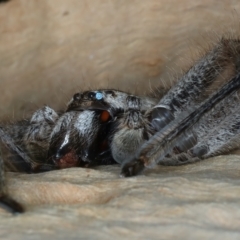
198, 201
49, 49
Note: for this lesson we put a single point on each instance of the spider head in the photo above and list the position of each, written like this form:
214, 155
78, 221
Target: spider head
100, 99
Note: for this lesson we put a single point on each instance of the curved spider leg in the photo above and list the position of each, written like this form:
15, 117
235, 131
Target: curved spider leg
36, 138
222, 139
32, 137
10, 204
26, 140
17, 150
217, 132
163, 142
6, 202
181, 101
200, 81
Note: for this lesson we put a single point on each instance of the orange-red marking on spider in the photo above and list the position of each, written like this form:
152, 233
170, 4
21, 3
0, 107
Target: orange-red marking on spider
105, 116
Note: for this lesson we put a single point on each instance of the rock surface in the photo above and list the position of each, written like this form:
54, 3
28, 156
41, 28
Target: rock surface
197, 201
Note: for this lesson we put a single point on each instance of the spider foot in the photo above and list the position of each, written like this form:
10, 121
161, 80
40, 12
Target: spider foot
132, 168
10, 205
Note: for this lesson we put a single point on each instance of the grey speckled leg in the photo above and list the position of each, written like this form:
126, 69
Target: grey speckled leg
199, 122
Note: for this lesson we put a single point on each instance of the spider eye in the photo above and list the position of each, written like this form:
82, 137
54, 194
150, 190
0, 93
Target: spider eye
77, 96
95, 96
99, 96
91, 95
104, 116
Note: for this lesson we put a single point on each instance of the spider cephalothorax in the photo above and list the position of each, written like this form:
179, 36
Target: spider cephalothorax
130, 123
197, 118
